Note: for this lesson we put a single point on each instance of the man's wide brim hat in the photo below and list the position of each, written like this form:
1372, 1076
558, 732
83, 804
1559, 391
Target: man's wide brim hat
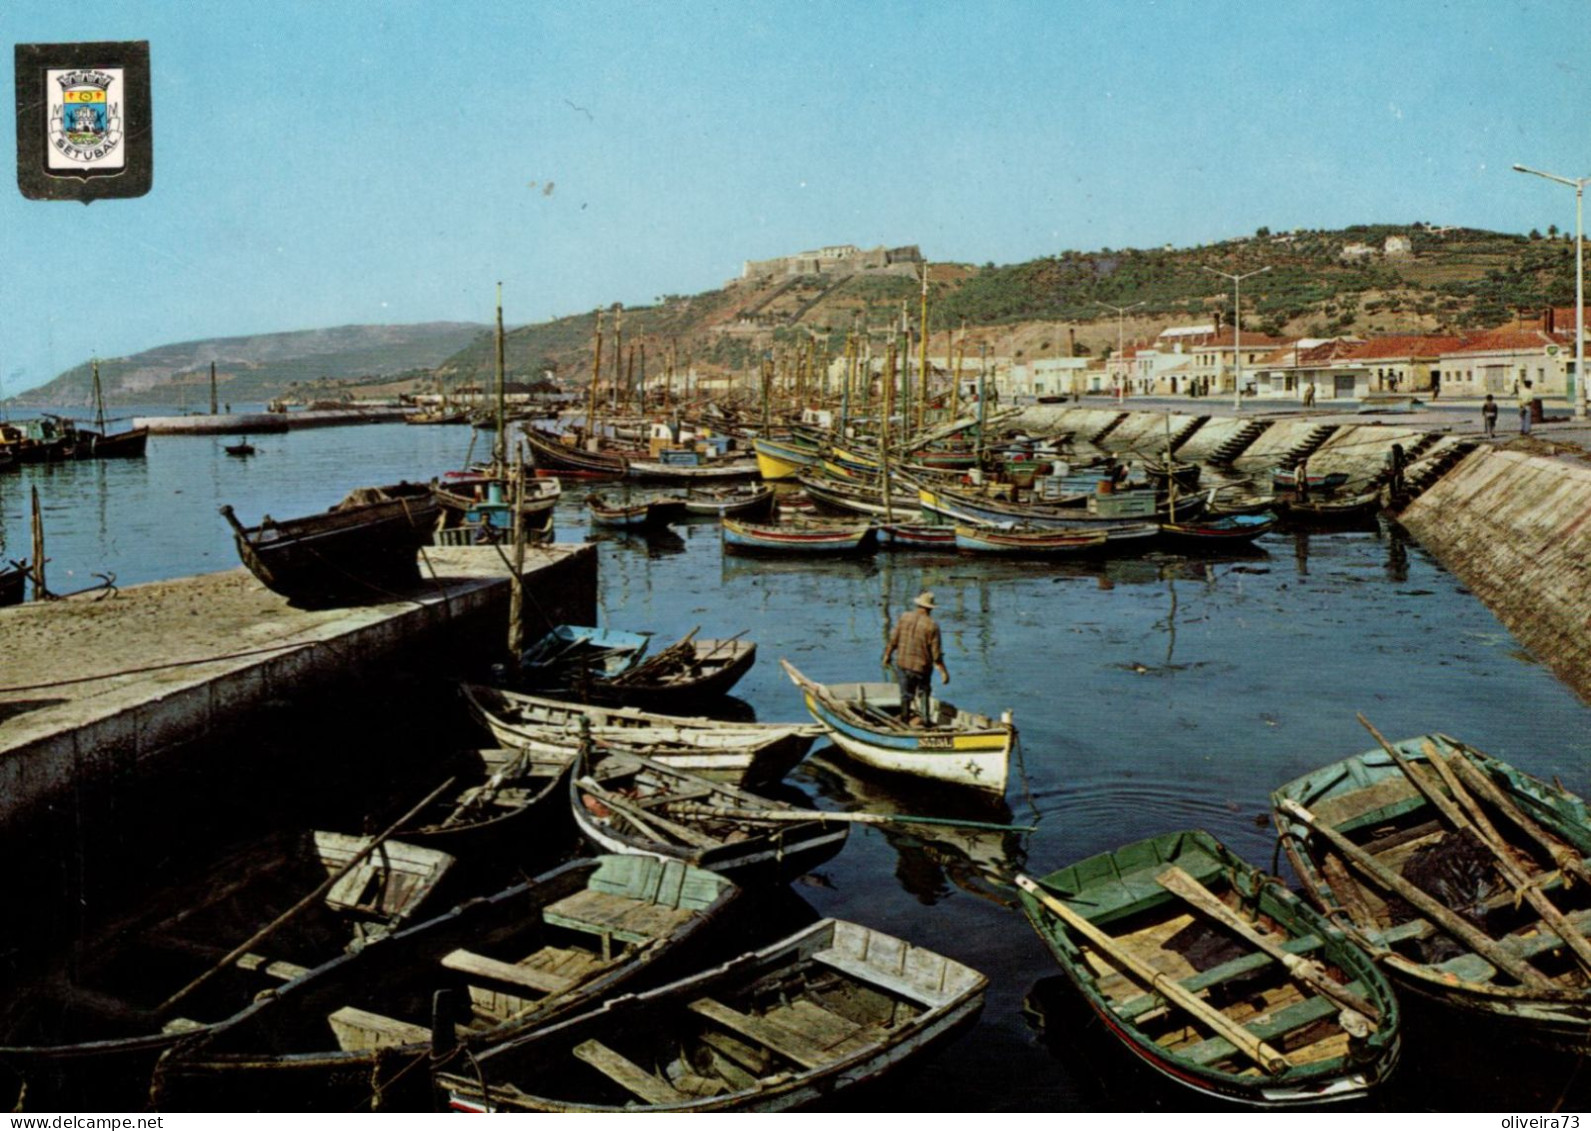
925, 601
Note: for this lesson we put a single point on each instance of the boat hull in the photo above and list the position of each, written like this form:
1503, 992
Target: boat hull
1120, 894
363, 553
746, 537
776, 460
1370, 790
924, 1019
975, 754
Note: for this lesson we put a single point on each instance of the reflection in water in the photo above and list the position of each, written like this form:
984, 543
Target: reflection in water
1397, 567
932, 858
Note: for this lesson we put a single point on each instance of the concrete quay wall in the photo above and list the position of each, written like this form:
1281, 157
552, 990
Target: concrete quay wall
97, 690
1515, 528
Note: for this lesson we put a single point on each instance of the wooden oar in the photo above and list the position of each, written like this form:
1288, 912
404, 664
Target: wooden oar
1524, 885
1507, 866
853, 818
1434, 910
1564, 855
1156, 981
309, 900
1305, 970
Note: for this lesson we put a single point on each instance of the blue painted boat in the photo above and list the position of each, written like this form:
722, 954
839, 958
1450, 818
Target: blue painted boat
961, 509
916, 536
637, 512
571, 650
1031, 541
846, 538
955, 746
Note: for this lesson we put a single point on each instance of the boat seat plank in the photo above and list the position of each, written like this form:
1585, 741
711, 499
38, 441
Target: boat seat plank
1336, 811
1270, 1026
753, 1059
1136, 1007
276, 968
726, 1069
620, 917
825, 1028
868, 974
630, 1076
474, 965
359, 1029
791, 1045
692, 794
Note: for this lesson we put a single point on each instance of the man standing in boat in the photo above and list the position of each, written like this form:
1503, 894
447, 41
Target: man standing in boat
915, 647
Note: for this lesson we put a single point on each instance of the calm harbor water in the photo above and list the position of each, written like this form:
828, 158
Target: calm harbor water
1152, 693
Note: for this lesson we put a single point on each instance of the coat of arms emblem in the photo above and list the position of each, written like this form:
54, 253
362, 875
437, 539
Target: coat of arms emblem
84, 118
85, 123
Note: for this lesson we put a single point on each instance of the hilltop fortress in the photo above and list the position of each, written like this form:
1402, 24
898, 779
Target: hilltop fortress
837, 260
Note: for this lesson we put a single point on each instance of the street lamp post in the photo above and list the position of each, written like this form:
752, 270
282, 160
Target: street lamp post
1237, 329
1578, 184
1121, 312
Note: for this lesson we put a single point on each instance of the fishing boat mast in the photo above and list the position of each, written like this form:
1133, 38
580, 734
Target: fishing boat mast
884, 435
922, 357
596, 380
618, 356
500, 445
99, 402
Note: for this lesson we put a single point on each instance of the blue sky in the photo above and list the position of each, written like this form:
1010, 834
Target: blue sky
320, 164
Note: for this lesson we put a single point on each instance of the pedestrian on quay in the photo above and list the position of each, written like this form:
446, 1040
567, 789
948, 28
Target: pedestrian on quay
1525, 399
1489, 417
915, 647
1309, 395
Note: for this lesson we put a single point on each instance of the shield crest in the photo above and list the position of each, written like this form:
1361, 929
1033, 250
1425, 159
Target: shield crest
84, 115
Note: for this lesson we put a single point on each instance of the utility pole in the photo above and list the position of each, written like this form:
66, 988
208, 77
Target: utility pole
1578, 183
1237, 328
1121, 340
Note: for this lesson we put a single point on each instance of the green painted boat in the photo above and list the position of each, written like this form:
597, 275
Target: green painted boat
1368, 799
1199, 1000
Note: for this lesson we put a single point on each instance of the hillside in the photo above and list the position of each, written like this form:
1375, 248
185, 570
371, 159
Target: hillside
1449, 279
1319, 284
262, 366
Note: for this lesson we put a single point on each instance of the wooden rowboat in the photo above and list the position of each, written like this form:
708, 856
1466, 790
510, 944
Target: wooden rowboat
916, 536
863, 720
740, 753
813, 538
634, 512
508, 817
13, 579
1332, 511
550, 453
1287, 479
745, 499
575, 653
627, 803
1028, 541
1380, 854
364, 549
688, 671
1217, 976
830, 1007
357, 1033
1225, 530
136, 986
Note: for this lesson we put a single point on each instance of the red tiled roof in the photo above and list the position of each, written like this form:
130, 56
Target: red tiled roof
1509, 339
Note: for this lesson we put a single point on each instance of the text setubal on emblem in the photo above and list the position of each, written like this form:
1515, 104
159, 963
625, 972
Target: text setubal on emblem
85, 124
